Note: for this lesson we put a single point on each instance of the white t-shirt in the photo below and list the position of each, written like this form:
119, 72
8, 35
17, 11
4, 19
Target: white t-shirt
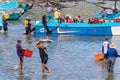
105, 46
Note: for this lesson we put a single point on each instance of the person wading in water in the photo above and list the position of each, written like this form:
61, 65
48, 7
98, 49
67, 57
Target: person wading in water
43, 56
111, 57
44, 22
19, 51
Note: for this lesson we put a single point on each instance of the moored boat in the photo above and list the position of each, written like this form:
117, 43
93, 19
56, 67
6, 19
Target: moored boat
11, 10
111, 13
12, 14
26, 7
110, 25
8, 4
99, 29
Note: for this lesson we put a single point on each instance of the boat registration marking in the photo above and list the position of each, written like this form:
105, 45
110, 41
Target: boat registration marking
42, 29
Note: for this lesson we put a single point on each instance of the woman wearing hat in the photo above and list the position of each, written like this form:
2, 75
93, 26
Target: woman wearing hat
19, 50
43, 56
111, 57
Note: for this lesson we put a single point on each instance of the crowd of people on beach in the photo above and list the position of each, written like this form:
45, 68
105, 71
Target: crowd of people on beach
54, 15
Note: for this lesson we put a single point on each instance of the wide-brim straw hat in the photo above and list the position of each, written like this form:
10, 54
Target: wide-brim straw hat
112, 45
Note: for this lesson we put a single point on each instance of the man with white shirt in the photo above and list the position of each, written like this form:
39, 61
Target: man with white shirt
105, 47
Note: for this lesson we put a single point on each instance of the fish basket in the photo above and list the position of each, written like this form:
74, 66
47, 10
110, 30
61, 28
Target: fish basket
99, 57
27, 53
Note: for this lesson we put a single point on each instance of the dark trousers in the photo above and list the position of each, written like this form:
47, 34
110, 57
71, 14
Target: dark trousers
111, 63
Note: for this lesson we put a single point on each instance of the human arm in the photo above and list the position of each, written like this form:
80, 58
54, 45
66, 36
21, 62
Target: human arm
117, 55
21, 50
9, 25
39, 45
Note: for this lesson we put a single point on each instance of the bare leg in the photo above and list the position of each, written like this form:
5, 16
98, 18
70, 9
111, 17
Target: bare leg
20, 64
43, 67
49, 71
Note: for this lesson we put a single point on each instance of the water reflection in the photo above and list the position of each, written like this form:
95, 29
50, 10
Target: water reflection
21, 76
44, 76
27, 39
103, 65
100, 63
5, 34
110, 76
65, 51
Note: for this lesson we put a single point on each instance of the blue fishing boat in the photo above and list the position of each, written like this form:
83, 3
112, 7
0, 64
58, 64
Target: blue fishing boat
113, 14
12, 14
9, 9
8, 4
101, 29
111, 26
26, 7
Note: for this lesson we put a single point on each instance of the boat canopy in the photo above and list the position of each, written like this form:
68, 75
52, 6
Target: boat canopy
8, 4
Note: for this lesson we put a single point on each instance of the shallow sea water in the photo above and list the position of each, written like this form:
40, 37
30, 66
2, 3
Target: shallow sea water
71, 57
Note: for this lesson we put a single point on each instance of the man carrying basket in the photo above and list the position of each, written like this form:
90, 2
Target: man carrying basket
19, 50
